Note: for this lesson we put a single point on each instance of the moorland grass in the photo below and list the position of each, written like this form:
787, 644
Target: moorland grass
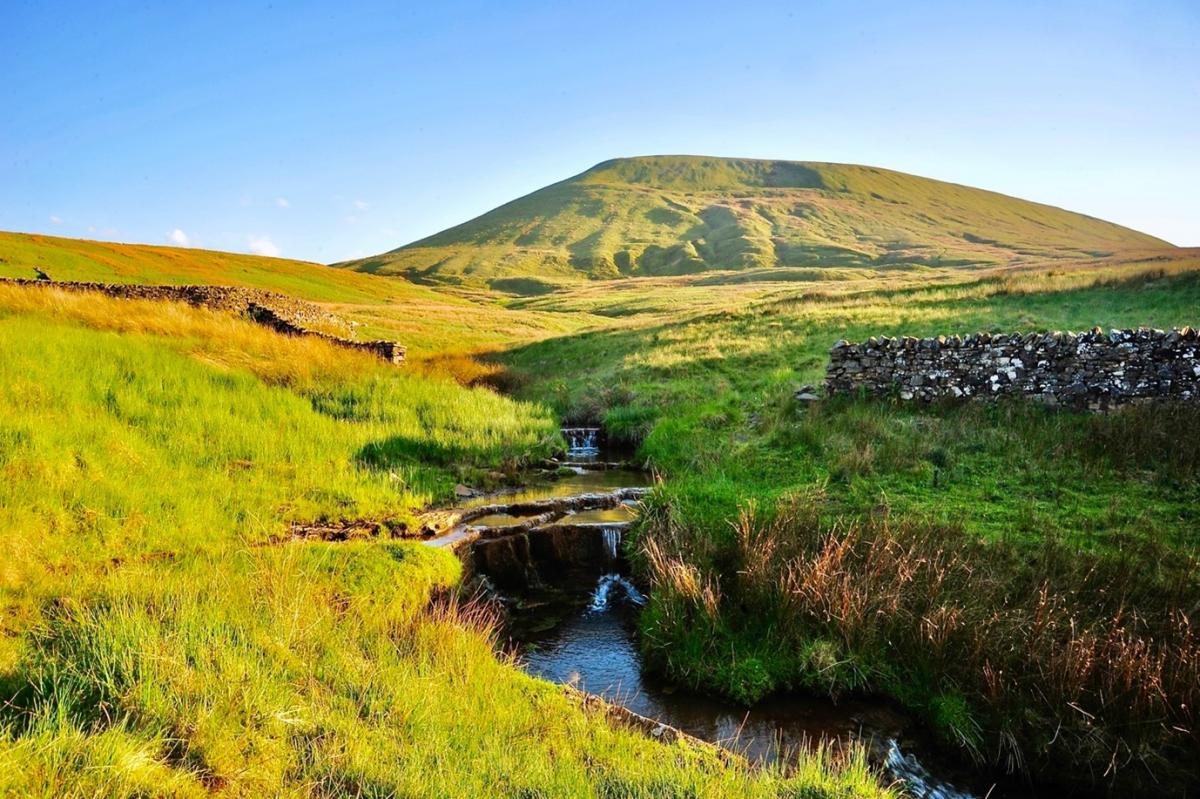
707, 392
160, 639
701, 374
111, 262
1047, 658
321, 670
430, 324
708, 395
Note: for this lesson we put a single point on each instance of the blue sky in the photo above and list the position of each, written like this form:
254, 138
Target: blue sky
335, 130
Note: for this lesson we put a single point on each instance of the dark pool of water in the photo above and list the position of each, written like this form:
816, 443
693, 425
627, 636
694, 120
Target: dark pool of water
588, 639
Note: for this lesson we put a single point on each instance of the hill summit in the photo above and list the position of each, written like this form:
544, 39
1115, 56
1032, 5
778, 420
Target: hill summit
669, 215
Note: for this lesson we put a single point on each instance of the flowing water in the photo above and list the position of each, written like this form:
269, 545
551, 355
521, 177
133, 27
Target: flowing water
582, 481
584, 634
588, 640
582, 442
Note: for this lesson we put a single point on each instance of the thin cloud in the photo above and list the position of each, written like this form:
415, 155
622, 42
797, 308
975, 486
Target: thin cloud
362, 205
56, 219
262, 245
179, 238
282, 202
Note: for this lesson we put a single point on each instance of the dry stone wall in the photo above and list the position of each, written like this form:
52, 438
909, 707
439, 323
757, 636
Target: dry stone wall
1091, 370
277, 311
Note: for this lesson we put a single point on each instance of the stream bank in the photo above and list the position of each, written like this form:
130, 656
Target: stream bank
551, 554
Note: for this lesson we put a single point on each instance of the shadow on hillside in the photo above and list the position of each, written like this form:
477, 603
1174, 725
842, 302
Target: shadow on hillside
388, 453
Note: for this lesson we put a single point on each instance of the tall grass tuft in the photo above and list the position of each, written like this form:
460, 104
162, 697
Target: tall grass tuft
1042, 659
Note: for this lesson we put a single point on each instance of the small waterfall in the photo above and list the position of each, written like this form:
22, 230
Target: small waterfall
581, 441
918, 782
603, 593
612, 540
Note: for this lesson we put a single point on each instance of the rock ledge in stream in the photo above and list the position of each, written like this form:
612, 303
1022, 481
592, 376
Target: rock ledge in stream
437, 522
543, 555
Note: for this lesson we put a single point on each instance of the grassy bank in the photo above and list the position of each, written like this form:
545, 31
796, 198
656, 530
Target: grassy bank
158, 638
1095, 517
436, 327
1040, 658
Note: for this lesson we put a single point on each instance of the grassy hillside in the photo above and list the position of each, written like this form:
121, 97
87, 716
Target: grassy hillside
703, 376
159, 636
426, 321
79, 259
670, 215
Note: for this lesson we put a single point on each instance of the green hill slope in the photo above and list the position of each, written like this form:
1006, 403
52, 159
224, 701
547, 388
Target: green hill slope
111, 262
669, 215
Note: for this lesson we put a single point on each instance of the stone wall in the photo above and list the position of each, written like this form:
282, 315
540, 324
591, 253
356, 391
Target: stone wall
277, 311
1092, 370
389, 351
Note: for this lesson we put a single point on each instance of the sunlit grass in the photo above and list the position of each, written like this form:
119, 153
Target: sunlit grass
148, 450
709, 390
704, 383
317, 670
153, 643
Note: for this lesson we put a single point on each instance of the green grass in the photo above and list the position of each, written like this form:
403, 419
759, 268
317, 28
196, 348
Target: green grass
78, 259
318, 670
703, 382
676, 215
709, 391
157, 638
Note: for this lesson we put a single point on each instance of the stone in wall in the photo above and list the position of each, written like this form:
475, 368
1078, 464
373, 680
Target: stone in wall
1092, 370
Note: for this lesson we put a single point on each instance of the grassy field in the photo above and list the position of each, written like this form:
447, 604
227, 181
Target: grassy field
79, 259
157, 634
1095, 515
161, 636
428, 322
673, 215
705, 384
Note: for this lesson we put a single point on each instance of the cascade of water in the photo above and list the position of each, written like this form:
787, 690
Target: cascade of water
581, 441
918, 782
602, 595
612, 540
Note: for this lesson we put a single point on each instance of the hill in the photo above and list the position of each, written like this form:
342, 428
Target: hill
111, 262
419, 316
672, 215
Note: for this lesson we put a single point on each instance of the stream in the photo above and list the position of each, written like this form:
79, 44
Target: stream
588, 639
580, 630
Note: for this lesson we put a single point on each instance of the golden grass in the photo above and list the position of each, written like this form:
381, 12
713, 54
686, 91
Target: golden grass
214, 337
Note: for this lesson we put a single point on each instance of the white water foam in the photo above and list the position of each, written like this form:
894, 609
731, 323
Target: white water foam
918, 782
581, 441
603, 593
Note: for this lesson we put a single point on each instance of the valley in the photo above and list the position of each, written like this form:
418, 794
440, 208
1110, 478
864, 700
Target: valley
1015, 581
